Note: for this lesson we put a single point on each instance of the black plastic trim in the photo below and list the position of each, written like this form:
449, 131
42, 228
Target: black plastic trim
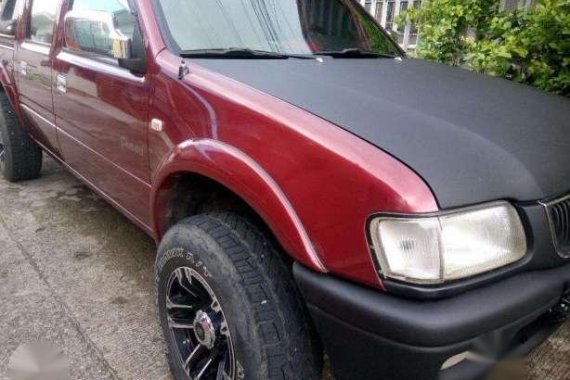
367, 333
434, 323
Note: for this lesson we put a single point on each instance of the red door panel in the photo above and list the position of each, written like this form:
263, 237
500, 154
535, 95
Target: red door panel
101, 111
33, 69
33, 76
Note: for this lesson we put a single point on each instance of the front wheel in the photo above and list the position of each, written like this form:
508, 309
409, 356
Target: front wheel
227, 305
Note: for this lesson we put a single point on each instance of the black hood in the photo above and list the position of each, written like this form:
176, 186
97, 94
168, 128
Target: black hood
472, 138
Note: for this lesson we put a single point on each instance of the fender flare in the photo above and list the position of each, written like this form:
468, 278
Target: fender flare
242, 175
8, 84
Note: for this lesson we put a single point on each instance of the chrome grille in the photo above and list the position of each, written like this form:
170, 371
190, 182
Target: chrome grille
559, 215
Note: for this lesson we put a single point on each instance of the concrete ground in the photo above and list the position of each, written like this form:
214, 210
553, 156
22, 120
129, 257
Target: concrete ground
76, 273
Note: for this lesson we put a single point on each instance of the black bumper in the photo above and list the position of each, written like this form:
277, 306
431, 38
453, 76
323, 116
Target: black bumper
370, 335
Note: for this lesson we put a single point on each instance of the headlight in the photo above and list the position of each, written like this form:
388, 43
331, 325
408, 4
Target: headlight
448, 246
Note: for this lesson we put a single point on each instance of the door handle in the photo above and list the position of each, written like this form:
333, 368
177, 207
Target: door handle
61, 83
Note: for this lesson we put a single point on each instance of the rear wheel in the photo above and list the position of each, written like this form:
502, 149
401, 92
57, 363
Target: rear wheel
20, 157
227, 304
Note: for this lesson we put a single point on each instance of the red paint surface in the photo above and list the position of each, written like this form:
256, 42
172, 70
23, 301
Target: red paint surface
312, 182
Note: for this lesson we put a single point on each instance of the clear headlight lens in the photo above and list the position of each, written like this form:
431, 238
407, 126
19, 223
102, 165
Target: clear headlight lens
449, 246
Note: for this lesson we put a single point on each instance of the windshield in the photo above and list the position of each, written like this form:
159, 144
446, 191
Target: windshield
295, 27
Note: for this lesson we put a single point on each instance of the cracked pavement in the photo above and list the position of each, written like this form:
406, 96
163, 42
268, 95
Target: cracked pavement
76, 273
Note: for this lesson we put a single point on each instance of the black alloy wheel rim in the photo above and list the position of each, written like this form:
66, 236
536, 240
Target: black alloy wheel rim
198, 327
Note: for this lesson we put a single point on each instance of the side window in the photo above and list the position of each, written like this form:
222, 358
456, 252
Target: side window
11, 9
93, 36
42, 20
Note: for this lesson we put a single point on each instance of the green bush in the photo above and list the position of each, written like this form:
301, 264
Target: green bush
530, 47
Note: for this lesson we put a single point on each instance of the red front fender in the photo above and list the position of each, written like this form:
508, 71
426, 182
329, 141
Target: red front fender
242, 175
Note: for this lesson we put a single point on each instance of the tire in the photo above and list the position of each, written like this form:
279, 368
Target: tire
20, 157
254, 300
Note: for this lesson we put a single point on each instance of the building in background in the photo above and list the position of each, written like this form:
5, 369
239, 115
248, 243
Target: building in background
387, 11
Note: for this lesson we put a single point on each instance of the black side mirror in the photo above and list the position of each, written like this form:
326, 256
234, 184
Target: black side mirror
137, 62
8, 28
134, 65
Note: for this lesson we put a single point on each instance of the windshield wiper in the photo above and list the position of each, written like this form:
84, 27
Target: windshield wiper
354, 53
238, 53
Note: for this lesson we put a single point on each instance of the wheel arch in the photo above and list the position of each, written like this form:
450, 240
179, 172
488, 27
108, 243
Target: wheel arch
7, 82
213, 163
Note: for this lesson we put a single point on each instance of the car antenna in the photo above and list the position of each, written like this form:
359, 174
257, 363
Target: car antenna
183, 70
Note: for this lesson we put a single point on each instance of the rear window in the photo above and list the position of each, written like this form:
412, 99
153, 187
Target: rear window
11, 9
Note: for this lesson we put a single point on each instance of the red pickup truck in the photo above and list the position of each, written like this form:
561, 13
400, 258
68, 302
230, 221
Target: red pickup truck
311, 189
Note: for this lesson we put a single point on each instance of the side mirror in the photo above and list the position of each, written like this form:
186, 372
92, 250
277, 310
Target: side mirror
8, 28
98, 32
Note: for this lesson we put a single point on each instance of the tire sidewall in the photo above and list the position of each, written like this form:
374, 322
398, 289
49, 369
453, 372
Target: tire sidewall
6, 168
22, 157
208, 259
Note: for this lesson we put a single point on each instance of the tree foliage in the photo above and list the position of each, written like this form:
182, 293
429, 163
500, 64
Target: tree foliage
531, 46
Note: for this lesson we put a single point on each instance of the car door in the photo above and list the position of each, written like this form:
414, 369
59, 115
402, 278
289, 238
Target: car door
10, 12
101, 108
33, 65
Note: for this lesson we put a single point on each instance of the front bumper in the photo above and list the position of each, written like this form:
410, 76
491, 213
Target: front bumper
370, 335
